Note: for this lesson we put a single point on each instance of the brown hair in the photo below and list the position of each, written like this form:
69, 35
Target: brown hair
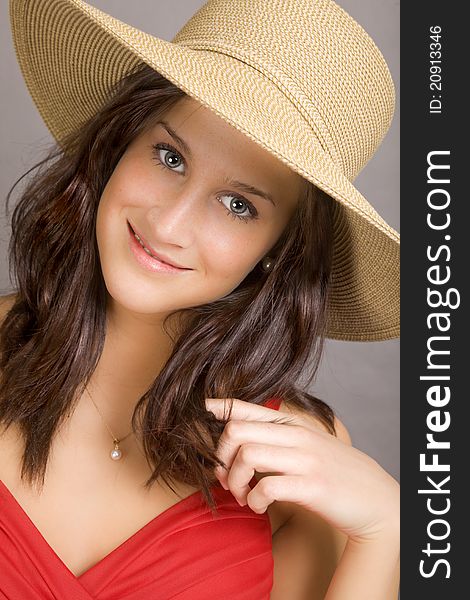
252, 344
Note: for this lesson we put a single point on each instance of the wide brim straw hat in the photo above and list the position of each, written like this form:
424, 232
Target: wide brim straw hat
301, 78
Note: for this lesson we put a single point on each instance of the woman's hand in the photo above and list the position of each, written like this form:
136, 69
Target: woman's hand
307, 466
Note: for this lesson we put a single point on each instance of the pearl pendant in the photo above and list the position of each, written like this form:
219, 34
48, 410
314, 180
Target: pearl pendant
116, 453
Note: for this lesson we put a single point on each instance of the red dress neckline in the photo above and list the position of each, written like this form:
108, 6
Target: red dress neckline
178, 554
183, 504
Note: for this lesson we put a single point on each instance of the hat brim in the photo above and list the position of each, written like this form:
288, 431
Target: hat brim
71, 54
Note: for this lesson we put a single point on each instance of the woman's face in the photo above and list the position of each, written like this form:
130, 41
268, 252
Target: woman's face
181, 197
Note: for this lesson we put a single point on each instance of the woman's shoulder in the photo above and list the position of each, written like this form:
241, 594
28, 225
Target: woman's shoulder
6, 302
10, 445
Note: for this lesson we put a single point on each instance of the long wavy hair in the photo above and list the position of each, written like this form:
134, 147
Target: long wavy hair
254, 344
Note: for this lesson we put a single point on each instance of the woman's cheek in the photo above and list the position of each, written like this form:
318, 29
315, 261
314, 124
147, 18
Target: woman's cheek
231, 262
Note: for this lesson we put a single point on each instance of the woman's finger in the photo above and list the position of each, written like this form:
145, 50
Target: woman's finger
243, 411
263, 458
289, 488
246, 411
236, 434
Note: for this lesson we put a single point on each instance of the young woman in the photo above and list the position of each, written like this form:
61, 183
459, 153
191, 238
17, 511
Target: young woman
179, 258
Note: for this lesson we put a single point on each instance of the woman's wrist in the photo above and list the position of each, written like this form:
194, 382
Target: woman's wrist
387, 533
387, 527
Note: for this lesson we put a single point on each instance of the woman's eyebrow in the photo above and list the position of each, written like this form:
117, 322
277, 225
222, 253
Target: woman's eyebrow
176, 137
244, 187
249, 189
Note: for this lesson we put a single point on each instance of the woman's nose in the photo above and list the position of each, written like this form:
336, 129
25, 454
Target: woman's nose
176, 216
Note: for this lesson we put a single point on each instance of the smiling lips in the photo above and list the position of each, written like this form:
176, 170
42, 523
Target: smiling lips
151, 252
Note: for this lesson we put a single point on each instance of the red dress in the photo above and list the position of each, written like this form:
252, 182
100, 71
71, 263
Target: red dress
184, 553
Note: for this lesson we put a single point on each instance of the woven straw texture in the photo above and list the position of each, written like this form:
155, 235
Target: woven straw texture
299, 77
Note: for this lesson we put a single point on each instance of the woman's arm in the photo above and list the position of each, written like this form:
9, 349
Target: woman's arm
368, 570
306, 552
364, 568
313, 559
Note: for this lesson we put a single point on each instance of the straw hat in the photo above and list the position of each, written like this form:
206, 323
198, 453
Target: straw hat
299, 77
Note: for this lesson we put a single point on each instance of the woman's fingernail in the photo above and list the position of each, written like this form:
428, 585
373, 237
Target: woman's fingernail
223, 484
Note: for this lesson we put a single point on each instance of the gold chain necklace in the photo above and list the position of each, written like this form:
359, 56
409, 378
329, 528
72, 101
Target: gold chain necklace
116, 453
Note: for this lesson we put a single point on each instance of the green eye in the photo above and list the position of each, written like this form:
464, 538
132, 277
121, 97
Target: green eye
157, 148
252, 210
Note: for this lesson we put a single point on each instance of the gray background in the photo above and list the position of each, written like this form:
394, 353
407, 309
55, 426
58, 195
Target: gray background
360, 380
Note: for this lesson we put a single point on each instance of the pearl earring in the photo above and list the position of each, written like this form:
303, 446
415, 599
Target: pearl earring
267, 263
